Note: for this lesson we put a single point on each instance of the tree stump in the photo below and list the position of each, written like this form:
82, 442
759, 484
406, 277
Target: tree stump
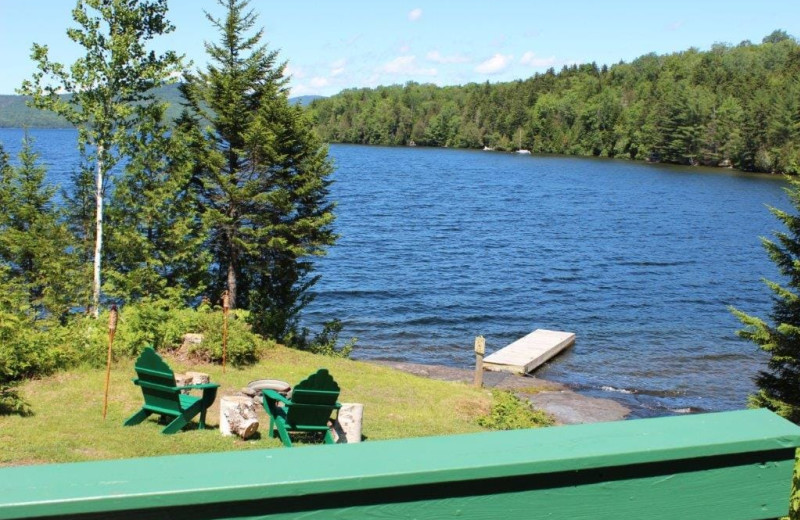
347, 428
190, 340
183, 380
237, 416
191, 378
198, 378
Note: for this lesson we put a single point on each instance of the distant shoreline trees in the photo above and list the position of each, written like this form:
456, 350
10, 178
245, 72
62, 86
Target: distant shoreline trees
733, 106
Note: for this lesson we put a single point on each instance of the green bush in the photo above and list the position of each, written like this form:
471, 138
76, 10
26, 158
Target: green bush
162, 326
325, 342
511, 413
27, 349
244, 347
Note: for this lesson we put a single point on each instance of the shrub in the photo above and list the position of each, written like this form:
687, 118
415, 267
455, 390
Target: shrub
244, 346
162, 326
326, 342
511, 413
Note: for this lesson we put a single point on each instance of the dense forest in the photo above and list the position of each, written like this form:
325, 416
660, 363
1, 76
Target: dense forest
732, 105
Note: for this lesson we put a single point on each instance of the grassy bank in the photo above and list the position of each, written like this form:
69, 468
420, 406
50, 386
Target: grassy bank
67, 424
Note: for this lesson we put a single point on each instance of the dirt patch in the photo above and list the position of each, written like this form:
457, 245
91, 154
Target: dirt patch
565, 405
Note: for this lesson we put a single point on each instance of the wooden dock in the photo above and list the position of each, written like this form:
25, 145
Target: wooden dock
529, 352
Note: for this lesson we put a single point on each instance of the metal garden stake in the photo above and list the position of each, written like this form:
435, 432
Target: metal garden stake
112, 329
226, 305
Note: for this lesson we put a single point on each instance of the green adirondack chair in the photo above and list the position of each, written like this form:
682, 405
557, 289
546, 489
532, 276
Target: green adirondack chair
163, 397
309, 410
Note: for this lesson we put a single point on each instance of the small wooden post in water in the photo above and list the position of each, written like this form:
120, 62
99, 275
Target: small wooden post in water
480, 348
226, 305
112, 329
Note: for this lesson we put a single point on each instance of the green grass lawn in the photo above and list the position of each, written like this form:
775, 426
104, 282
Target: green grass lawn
68, 425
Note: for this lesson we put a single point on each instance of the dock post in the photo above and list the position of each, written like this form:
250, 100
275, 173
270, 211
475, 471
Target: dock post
480, 348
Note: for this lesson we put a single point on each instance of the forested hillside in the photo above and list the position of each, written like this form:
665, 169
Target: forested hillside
737, 105
15, 113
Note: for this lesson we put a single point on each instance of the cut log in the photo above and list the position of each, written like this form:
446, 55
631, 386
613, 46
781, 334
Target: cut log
237, 416
183, 380
191, 378
198, 378
347, 427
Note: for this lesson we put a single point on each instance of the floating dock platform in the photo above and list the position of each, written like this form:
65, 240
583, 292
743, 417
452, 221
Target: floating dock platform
529, 352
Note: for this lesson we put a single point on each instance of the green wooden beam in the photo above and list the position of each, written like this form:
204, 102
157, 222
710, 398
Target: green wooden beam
726, 466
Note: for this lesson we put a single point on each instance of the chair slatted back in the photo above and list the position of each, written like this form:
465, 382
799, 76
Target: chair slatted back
313, 400
157, 381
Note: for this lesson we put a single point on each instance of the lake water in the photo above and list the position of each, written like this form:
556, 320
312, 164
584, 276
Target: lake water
640, 261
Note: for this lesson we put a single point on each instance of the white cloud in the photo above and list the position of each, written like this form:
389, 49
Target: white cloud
294, 72
407, 65
674, 26
529, 58
300, 90
338, 67
437, 57
495, 64
319, 82
415, 14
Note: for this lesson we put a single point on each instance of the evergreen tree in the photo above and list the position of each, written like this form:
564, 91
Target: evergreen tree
35, 246
779, 384
156, 245
116, 74
264, 180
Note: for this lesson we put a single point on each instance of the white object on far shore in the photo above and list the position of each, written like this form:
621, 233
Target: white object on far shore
529, 352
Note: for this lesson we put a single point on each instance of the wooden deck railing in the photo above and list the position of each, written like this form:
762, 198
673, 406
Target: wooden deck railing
726, 466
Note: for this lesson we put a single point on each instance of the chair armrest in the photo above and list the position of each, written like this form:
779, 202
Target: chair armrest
156, 386
201, 386
275, 396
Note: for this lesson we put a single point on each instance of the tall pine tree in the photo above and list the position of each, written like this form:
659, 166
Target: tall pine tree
264, 183
156, 244
779, 383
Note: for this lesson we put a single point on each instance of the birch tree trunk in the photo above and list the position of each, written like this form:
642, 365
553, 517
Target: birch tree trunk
98, 239
347, 428
232, 284
237, 416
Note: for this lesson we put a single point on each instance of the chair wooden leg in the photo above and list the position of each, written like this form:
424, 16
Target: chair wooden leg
176, 425
136, 418
202, 419
284, 435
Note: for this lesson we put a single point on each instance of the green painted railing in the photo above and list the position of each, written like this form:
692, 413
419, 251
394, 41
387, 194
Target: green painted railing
726, 466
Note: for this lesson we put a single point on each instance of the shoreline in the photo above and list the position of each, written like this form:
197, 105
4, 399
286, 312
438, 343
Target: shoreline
564, 404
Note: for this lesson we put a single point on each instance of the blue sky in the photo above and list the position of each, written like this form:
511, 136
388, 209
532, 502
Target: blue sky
333, 45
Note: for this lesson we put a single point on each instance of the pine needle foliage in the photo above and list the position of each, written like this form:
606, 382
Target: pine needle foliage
779, 383
263, 177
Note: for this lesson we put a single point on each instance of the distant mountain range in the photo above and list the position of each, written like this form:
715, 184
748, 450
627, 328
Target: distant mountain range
14, 113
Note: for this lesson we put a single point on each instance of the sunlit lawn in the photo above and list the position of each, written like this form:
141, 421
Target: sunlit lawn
68, 426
